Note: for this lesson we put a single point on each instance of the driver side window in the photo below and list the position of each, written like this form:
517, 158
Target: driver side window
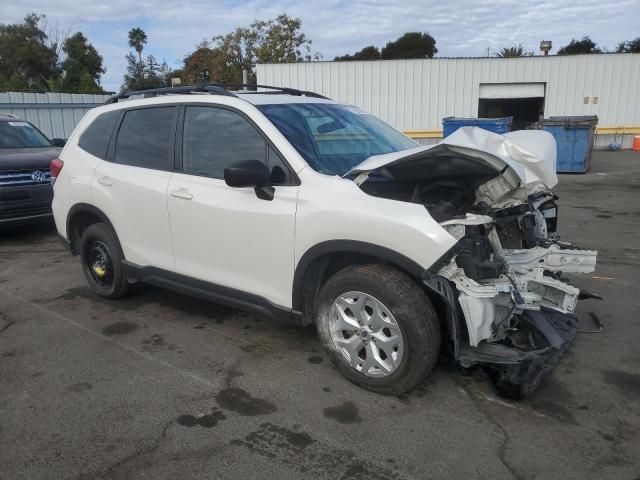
216, 138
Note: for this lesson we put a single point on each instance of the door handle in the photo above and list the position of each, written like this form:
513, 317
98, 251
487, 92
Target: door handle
104, 180
181, 193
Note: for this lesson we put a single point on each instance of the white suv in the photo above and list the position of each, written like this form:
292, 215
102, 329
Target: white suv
303, 209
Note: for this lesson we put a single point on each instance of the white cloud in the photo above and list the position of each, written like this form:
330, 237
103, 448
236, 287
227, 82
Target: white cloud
461, 28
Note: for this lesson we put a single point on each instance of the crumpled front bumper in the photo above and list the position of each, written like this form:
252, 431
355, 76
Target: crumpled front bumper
517, 368
517, 374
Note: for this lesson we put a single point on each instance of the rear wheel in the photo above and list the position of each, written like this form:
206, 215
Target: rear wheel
378, 327
101, 258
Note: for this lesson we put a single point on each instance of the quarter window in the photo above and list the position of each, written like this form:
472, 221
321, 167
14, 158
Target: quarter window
95, 139
215, 138
145, 138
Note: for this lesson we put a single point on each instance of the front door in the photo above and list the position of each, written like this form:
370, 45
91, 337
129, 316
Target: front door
228, 236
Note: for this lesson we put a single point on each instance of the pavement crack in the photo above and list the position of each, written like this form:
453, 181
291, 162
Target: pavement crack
7, 325
140, 452
502, 450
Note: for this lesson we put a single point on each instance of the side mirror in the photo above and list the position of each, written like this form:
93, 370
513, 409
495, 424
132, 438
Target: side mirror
250, 173
58, 142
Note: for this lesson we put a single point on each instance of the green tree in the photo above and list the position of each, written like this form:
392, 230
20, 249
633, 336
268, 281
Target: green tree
236, 51
410, 45
511, 52
278, 40
575, 47
632, 46
137, 41
26, 61
156, 74
367, 53
82, 66
134, 78
146, 74
207, 65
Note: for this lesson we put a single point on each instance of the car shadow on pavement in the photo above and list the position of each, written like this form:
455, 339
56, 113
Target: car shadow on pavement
27, 234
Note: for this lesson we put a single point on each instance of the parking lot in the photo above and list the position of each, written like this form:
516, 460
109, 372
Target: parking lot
160, 385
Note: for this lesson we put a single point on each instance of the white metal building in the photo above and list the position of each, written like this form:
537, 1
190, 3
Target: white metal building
414, 95
56, 114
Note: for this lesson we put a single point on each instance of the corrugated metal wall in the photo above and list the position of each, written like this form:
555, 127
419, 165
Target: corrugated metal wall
414, 95
56, 114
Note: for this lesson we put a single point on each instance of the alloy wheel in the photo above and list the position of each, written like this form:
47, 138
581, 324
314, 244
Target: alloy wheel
366, 334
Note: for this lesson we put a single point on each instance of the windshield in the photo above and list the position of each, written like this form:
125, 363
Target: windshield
334, 138
19, 134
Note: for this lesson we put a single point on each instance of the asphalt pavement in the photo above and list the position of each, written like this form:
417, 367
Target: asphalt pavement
164, 386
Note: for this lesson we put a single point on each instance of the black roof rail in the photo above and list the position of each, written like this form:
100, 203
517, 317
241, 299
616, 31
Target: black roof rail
213, 89
183, 89
284, 90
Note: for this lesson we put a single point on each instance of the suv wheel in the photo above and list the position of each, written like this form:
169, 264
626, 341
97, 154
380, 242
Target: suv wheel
378, 327
101, 258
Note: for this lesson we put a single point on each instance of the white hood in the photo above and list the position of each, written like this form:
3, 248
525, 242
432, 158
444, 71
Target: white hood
530, 154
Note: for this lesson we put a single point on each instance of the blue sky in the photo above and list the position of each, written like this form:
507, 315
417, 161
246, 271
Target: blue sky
460, 27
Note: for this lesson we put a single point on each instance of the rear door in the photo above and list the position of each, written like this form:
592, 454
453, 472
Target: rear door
223, 235
131, 187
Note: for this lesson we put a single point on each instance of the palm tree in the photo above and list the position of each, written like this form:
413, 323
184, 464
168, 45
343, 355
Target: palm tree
511, 52
137, 40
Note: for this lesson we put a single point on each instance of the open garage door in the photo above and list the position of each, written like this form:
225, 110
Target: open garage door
522, 101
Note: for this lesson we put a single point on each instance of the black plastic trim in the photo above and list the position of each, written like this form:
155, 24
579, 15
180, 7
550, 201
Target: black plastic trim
347, 246
84, 207
517, 374
23, 220
211, 292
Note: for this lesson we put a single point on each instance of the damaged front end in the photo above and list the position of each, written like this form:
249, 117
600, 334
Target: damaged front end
516, 305
510, 309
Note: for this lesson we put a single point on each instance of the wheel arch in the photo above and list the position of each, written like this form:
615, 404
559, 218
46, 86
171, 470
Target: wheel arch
80, 216
324, 259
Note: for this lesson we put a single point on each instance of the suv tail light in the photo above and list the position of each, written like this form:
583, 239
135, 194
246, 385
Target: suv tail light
55, 168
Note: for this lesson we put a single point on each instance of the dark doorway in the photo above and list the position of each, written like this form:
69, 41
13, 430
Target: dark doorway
526, 112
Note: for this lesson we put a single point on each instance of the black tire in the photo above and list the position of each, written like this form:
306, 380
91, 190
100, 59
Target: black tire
413, 312
100, 235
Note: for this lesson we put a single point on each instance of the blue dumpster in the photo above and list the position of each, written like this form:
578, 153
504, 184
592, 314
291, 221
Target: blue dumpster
574, 137
496, 125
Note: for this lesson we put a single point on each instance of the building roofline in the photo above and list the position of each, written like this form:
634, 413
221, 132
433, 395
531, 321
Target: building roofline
459, 58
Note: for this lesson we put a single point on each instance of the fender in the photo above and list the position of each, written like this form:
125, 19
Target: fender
347, 246
84, 207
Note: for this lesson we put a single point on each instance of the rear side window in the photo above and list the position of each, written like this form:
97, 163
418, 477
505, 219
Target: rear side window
215, 138
95, 138
145, 138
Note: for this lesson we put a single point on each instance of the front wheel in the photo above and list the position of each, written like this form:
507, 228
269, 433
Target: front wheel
101, 258
378, 327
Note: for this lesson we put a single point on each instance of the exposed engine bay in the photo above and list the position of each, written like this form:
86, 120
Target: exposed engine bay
509, 305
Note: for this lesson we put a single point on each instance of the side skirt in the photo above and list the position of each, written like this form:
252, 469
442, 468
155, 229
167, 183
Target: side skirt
211, 292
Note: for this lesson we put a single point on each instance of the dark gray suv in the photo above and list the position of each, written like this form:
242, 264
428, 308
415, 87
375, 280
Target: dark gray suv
25, 181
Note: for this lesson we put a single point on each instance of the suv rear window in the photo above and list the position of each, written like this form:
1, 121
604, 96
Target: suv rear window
95, 138
145, 138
